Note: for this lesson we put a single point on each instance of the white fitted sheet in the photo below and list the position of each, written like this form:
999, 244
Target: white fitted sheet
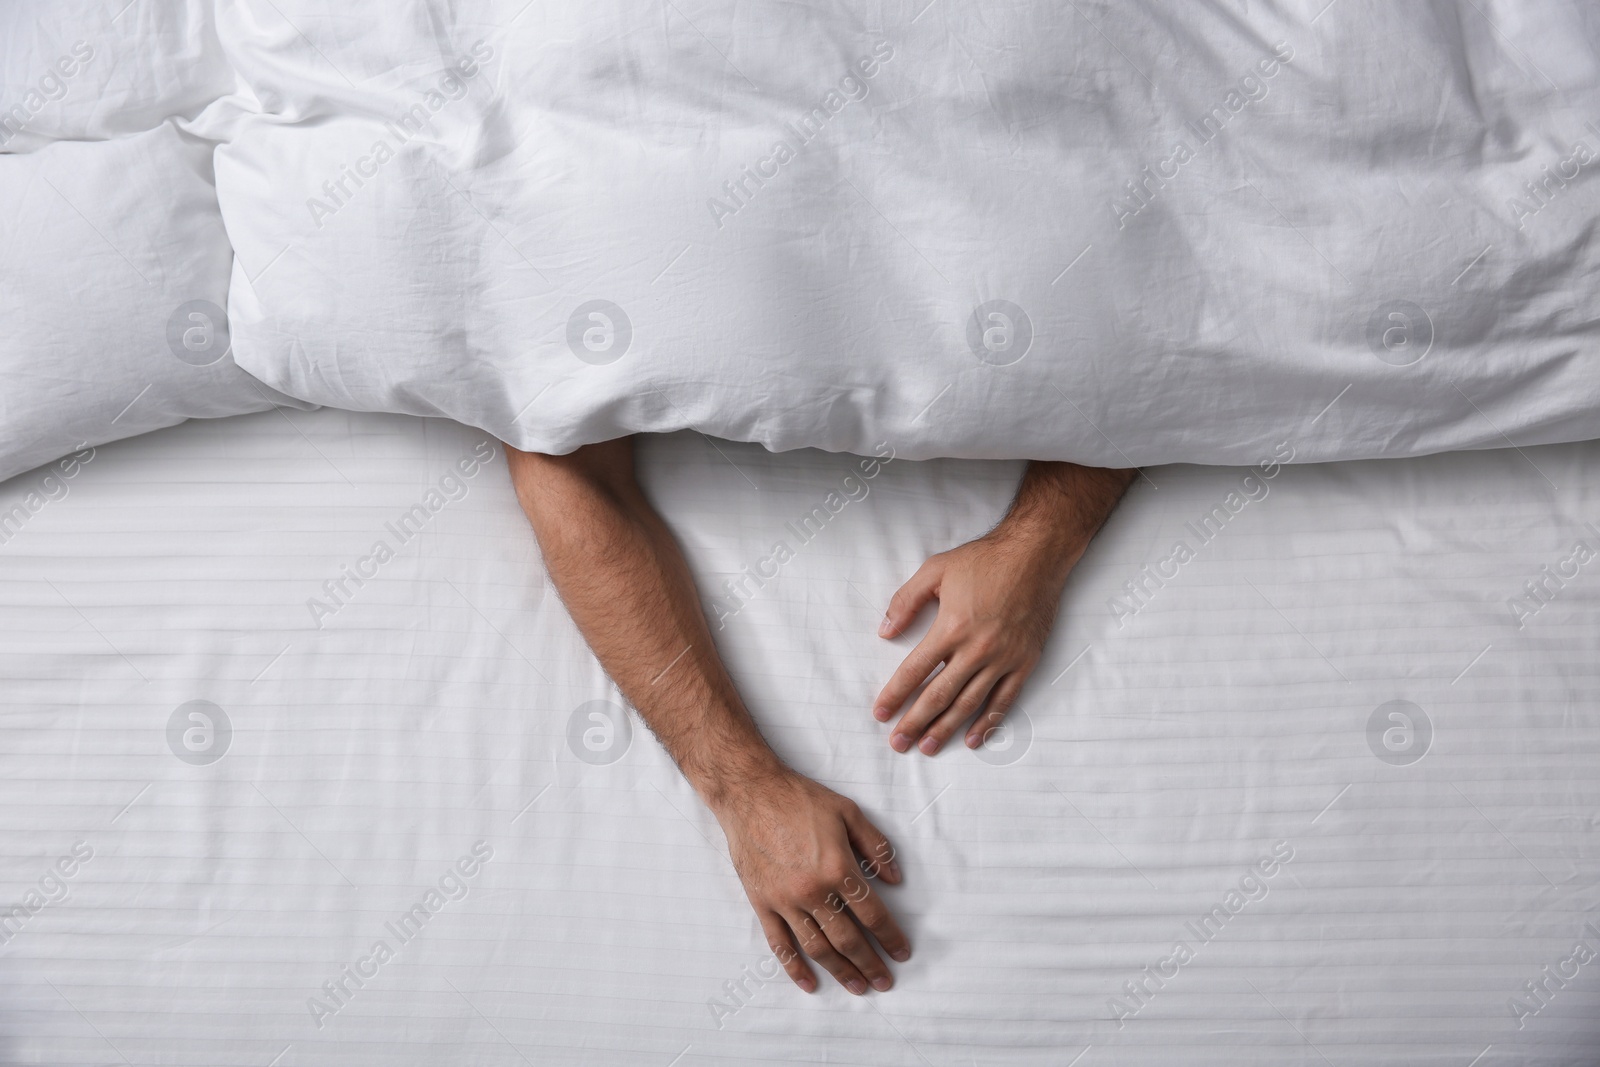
1168, 755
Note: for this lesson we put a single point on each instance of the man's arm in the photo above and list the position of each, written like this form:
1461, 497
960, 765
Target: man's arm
998, 598
623, 578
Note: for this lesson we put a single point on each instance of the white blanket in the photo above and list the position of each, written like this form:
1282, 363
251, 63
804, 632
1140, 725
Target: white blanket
226, 870
1117, 234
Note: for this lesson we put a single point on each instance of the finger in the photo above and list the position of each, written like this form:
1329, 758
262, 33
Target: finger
852, 943
870, 843
1000, 701
912, 672
940, 693
814, 943
781, 942
909, 600
962, 708
872, 913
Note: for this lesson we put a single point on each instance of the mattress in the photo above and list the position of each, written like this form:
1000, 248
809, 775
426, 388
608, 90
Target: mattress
1326, 792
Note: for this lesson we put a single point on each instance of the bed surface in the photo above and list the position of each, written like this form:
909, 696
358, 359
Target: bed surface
436, 721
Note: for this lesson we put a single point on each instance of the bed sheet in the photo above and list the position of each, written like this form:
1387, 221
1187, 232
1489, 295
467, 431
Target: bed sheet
1343, 751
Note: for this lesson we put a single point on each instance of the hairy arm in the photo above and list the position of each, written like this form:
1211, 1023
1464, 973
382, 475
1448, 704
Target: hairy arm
998, 598
793, 842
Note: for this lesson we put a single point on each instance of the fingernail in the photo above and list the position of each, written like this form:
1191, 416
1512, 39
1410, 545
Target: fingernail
885, 628
881, 984
973, 740
899, 742
855, 986
894, 871
929, 745
901, 956
881, 714
808, 985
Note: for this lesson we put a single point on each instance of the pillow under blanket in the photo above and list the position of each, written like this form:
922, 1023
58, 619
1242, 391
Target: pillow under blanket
114, 263
113, 287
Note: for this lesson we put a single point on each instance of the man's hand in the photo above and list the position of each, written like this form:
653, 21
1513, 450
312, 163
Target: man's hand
794, 844
998, 597
622, 576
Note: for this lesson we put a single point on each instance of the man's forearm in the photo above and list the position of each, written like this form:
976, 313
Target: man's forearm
1064, 504
793, 842
622, 577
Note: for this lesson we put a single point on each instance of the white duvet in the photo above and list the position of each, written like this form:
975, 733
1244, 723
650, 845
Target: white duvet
1112, 233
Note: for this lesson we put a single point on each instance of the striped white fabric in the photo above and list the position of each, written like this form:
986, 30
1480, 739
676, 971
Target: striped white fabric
397, 828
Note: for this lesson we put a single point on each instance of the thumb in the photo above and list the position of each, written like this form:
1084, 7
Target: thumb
911, 598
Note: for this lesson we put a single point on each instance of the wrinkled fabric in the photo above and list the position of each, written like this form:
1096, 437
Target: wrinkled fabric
114, 260
1114, 234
